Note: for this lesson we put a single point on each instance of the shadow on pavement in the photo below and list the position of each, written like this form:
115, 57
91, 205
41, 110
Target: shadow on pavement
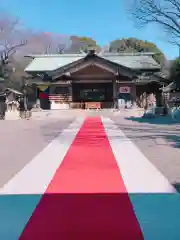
177, 186
90, 216
169, 133
154, 120
174, 140
135, 133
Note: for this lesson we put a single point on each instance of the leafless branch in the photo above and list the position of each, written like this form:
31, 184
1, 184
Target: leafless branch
10, 35
165, 13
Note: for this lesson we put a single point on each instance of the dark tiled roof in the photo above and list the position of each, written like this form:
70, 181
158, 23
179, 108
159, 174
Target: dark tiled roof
55, 61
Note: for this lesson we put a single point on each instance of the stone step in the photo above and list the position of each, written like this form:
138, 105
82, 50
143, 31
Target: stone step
13, 115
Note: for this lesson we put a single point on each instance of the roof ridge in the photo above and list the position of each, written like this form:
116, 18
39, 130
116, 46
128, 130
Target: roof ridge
55, 55
109, 54
130, 54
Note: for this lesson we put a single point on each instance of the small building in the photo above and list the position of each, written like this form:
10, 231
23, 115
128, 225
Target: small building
68, 80
171, 93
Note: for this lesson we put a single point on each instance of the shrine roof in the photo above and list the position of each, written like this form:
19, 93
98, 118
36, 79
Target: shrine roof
52, 62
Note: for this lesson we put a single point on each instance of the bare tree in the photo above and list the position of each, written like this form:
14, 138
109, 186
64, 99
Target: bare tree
43, 43
17, 41
38, 43
10, 41
13, 35
10, 36
165, 13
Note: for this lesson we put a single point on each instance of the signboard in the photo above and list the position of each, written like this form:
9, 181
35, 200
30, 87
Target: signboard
121, 103
124, 90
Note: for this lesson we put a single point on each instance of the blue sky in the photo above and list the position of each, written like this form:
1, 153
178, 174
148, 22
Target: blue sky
100, 19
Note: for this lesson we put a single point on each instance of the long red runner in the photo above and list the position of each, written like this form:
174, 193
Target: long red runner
87, 198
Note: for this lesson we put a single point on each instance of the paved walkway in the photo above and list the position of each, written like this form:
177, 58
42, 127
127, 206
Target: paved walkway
158, 139
90, 182
39, 115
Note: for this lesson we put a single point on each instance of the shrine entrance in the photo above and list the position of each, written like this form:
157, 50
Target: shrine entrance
101, 93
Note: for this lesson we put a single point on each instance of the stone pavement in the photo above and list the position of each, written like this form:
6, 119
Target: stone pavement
22, 140
51, 114
40, 115
36, 115
158, 140
90, 182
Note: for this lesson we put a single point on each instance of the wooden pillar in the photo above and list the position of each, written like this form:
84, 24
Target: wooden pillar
70, 97
114, 89
133, 94
70, 93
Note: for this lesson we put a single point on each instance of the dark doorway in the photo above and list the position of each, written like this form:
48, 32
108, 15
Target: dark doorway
92, 92
44, 99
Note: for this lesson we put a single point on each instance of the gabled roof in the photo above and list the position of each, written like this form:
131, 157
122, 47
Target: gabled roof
51, 62
135, 61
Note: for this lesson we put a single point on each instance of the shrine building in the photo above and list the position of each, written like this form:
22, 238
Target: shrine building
68, 80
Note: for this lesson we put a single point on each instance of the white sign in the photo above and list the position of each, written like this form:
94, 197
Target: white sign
124, 90
121, 103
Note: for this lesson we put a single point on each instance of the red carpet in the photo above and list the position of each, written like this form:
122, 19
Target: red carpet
86, 199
